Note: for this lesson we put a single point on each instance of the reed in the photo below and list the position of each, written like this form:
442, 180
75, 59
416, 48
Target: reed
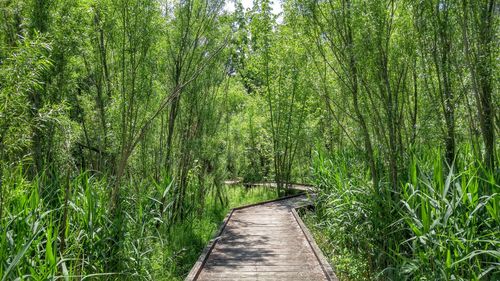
445, 225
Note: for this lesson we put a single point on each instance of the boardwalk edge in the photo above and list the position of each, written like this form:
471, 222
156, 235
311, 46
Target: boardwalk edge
198, 266
325, 265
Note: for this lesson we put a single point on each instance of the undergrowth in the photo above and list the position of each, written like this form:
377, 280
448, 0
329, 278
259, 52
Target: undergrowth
39, 242
443, 223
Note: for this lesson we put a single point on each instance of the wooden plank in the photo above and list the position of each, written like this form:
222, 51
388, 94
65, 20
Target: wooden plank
195, 271
327, 269
264, 268
271, 261
233, 263
263, 242
307, 276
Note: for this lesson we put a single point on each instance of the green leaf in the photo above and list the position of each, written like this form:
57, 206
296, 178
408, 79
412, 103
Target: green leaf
448, 258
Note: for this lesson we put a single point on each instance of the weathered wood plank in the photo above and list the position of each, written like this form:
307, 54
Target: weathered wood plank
308, 276
263, 242
264, 268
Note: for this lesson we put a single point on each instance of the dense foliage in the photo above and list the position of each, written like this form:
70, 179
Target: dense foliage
120, 120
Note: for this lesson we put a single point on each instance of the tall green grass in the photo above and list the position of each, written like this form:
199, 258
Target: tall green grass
32, 225
443, 225
31, 229
452, 223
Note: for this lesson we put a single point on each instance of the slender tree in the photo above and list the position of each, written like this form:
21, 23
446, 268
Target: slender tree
479, 37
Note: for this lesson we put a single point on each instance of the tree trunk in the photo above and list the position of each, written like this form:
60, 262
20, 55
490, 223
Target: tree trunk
369, 153
485, 65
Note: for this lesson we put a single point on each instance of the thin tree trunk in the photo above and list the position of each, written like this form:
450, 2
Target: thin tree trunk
415, 106
481, 71
102, 74
170, 133
64, 219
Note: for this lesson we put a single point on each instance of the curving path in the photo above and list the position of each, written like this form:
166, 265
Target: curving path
266, 241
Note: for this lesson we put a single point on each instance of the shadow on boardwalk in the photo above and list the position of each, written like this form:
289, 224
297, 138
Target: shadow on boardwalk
264, 242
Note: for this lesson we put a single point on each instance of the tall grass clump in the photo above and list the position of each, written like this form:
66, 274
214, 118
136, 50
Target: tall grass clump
351, 219
452, 222
443, 224
33, 229
67, 232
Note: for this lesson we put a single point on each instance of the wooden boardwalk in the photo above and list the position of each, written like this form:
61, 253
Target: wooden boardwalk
264, 242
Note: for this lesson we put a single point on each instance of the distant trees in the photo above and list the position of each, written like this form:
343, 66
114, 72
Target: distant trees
195, 45
334, 35
275, 72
